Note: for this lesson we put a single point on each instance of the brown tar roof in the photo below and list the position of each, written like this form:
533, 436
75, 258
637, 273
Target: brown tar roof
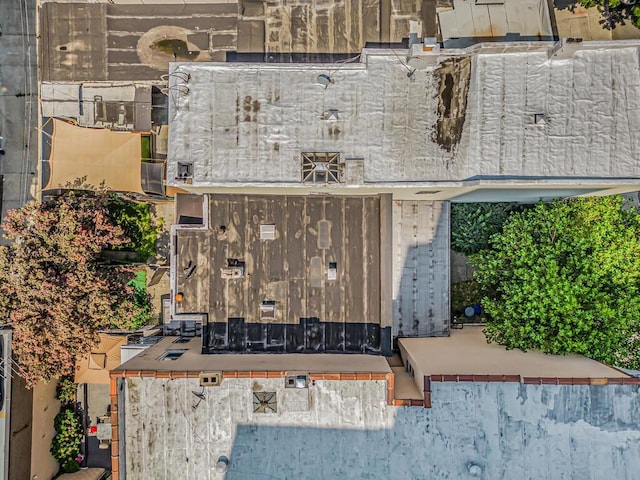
292, 269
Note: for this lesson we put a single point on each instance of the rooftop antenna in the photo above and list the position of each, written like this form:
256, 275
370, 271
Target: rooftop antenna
200, 396
324, 79
410, 72
184, 76
222, 464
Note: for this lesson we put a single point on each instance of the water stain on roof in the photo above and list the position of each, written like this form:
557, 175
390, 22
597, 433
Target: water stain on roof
452, 77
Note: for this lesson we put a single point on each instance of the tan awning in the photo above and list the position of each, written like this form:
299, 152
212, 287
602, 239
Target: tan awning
94, 158
95, 367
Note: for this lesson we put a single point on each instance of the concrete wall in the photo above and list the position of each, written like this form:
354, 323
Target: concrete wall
20, 429
45, 408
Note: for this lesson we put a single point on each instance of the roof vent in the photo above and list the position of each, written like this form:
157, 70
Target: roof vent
267, 232
210, 379
332, 271
296, 381
185, 172
222, 465
331, 114
321, 167
268, 309
235, 269
565, 48
538, 119
431, 45
265, 402
324, 80
171, 355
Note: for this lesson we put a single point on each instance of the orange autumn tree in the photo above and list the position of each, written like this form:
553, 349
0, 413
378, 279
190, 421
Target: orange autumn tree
54, 290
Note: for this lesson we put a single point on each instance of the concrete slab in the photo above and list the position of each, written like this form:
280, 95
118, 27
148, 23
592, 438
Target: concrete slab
585, 23
504, 431
466, 352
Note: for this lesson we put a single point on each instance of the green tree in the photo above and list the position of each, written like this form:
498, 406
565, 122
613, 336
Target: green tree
473, 224
54, 289
140, 227
565, 278
614, 12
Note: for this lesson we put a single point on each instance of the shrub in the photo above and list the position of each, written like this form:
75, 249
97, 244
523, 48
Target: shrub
65, 446
66, 390
141, 301
464, 294
138, 224
566, 277
473, 224
71, 466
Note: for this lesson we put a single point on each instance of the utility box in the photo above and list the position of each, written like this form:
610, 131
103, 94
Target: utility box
210, 379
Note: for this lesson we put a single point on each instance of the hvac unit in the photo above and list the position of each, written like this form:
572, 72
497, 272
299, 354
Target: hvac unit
296, 381
210, 379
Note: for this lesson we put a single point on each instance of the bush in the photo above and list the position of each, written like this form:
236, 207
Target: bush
66, 390
138, 224
566, 277
473, 224
71, 466
65, 446
464, 294
141, 300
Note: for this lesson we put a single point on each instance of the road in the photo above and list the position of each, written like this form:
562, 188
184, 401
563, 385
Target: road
18, 174
18, 103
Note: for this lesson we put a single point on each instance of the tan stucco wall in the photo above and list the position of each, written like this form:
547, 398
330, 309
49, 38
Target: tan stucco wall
417, 367
45, 408
194, 361
466, 352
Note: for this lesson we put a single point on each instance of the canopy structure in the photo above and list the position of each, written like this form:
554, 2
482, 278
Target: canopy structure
105, 357
94, 158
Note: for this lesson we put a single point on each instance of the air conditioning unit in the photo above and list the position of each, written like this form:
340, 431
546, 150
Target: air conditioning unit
296, 381
267, 232
210, 379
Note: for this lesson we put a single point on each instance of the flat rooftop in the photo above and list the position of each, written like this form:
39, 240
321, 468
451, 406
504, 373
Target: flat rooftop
503, 111
344, 429
472, 22
466, 352
284, 273
194, 361
83, 41
89, 41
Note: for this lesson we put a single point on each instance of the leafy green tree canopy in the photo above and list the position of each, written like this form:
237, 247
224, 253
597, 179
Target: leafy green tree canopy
614, 12
140, 227
565, 278
473, 224
54, 289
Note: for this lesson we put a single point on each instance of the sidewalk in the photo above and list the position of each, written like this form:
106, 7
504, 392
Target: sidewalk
18, 104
